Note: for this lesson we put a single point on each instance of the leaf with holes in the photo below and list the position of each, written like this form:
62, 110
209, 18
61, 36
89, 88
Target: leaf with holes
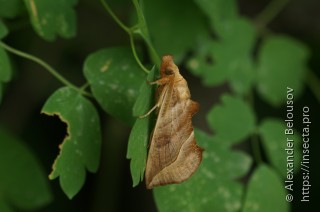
23, 183
213, 186
140, 133
271, 193
51, 18
115, 79
233, 120
80, 149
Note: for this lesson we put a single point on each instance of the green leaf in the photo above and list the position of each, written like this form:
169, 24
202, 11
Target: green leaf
265, 192
115, 78
201, 64
140, 133
23, 183
3, 29
145, 99
80, 150
5, 66
212, 187
50, 18
220, 13
137, 149
233, 120
231, 56
275, 143
282, 64
10, 8
174, 29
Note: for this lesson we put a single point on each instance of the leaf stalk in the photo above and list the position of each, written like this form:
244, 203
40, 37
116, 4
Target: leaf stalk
45, 65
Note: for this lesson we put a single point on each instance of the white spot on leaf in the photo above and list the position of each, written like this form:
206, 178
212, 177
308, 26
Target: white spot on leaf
208, 173
194, 64
131, 92
105, 66
172, 188
113, 86
79, 107
204, 200
124, 67
232, 206
78, 152
224, 192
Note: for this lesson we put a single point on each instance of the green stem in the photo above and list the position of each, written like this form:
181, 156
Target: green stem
314, 84
270, 12
255, 148
254, 138
84, 87
44, 65
136, 55
115, 18
130, 32
152, 52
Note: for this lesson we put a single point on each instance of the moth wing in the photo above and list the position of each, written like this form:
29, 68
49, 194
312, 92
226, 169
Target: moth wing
173, 155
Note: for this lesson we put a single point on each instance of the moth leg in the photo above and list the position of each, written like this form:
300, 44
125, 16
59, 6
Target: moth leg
161, 81
164, 91
150, 111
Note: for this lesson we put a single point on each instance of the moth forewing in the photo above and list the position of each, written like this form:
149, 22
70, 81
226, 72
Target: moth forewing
173, 154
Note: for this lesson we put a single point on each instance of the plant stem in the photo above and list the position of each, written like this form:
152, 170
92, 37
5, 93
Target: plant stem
115, 18
84, 87
136, 55
154, 55
255, 148
314, 84
130, 32
44, 65
270, 12
152, 52
253, 138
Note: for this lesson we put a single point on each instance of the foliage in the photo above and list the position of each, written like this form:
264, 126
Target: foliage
239, 55
270, 197
113, 74
281, 58
139, 137
209, 188
50, 18
80, 150
23, 183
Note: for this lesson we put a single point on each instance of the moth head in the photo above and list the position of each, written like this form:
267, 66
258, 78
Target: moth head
168, 71
168, 67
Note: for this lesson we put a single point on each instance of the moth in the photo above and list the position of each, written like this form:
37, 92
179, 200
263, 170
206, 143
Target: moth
173, 153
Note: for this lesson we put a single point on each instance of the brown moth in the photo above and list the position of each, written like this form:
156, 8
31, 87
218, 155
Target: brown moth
173, 154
